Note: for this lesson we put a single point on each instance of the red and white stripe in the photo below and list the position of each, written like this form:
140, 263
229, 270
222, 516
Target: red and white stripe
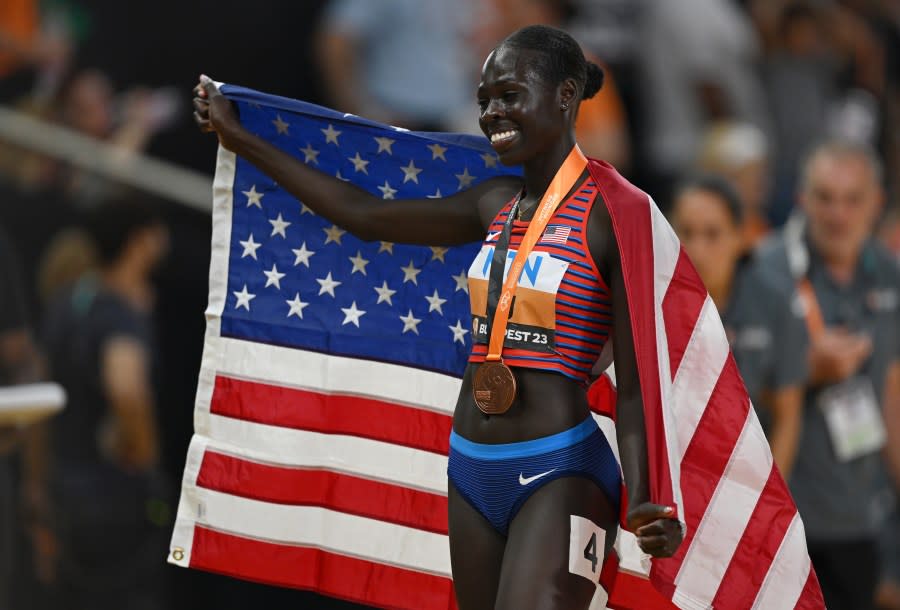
744, 545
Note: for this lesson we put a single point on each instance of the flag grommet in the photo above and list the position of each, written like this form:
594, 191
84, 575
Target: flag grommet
177, 554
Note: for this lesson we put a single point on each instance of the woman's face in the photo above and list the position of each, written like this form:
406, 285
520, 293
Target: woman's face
711, 237
519, 113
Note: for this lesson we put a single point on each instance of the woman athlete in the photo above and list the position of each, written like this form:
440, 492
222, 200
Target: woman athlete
534, 491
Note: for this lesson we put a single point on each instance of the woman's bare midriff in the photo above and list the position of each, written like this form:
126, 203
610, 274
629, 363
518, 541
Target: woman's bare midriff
545, 403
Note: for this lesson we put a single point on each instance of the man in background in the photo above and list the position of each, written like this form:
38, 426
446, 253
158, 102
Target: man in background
404, 63
849, 295
105, 481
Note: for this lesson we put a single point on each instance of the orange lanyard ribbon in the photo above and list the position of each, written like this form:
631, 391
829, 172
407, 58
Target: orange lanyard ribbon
562, 183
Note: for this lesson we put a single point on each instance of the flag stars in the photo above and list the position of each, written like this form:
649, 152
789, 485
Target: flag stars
465, 179
437, 151
359, 263
333, 234
384, 145
385, 294
243, 298
435, 302
273, 277
327, 285
459, 333
411, 172
303, 255
410, 323
310, 154
278, 226
386, 191
490, 160
280, 125
437, 194
352, 315
331, 135
410, 273
250, 247
304, 209
462, 282
438, 253
253, 198
386, 246
296, 306
359, 164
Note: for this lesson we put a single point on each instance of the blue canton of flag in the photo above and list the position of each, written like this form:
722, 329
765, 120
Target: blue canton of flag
296, 279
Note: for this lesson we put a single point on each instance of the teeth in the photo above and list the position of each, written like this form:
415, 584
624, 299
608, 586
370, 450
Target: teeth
496, 137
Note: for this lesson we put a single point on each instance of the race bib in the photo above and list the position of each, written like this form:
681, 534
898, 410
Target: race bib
587, 546
853, 417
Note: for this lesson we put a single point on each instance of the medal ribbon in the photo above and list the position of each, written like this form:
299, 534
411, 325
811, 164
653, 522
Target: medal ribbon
562, 183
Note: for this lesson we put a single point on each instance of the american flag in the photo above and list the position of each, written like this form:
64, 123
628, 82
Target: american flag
555, 234
331, 368
330, 371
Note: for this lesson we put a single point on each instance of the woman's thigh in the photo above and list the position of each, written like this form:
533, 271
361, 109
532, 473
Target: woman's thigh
556, 546
476, 554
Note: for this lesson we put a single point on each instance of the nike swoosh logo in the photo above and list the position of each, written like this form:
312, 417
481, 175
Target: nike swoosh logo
526, 481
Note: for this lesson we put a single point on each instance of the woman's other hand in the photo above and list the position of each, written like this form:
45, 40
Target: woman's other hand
658, 531
213, 112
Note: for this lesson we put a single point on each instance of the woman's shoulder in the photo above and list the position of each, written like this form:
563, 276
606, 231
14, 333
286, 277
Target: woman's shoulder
611, 185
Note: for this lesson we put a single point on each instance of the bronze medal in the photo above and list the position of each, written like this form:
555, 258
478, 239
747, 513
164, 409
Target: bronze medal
494, 387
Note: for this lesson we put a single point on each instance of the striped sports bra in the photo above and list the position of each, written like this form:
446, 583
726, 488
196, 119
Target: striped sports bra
562, 312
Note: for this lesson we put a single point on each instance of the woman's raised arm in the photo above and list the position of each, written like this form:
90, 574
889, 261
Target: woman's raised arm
458, 219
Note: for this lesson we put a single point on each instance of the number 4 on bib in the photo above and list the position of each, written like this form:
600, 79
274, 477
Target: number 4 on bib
586, 547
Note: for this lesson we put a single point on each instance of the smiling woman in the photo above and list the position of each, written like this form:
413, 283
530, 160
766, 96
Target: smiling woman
534, 493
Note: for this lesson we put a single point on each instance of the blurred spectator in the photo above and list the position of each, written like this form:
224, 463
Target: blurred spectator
33, 52
823, 71
18, 364
88, 103
740, 153
697, 65
849, 287
104, 479
404, 63
68, 257
767, 337
601, 127
609, 28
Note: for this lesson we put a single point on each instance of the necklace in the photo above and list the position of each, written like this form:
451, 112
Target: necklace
523, 211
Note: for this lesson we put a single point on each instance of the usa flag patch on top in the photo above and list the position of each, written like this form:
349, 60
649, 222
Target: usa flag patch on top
555, 234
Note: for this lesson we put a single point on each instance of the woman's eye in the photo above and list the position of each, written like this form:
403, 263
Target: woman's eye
482, 104
510, 95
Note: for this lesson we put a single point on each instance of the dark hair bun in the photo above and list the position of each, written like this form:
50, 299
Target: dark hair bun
593, 81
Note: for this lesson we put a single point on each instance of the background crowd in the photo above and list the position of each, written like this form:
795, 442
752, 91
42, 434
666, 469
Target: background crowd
768, 131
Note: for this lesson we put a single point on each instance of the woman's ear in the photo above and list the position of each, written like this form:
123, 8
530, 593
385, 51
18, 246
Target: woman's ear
568, 94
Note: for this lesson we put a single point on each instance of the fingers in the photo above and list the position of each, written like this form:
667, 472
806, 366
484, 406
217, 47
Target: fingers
647, 512
208, 87
652, 544
203, 91
660, 538
203, 123
201, 105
